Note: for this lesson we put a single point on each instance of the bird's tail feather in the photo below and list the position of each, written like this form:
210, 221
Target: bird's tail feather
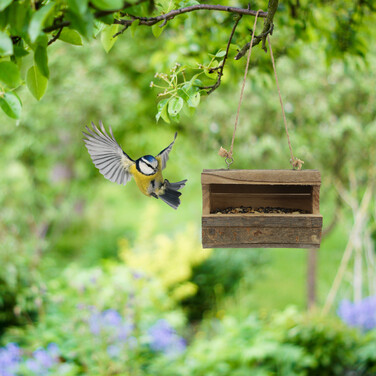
171, 195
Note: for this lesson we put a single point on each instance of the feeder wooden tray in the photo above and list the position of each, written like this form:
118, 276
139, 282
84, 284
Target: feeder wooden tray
289, 189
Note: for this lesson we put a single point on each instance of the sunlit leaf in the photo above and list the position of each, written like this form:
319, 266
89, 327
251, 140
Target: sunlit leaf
157, 29
38, 19
11, 105
194, 99
4, 4
108, 4
134, 26
107, 38
36, 82
9, 74
175, 105
220, 53
71, 36
6, 45
162, 110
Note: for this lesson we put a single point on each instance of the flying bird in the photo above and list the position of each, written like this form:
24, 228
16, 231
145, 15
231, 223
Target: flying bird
116, 165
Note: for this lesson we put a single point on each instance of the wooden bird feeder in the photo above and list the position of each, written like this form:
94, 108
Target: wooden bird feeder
287, 189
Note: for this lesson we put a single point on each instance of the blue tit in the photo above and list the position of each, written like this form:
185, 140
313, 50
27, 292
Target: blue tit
115, 165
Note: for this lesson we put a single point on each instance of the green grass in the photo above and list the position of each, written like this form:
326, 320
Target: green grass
282, 282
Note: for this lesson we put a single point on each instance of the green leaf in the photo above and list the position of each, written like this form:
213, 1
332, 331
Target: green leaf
220, 53
41, 60
194, 98
78, 6
197, 82
157, 29
9, 74
84, 23
108, 4
38, 19
162, 110
71, 36
11, 105
182, 92
214, 75
188, 3
36, 82
175, 105
4, 4
134, 26
107, 38
6, 45
19, 16
20, 51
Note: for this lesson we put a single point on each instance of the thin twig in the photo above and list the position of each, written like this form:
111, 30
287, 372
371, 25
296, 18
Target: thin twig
150, 21
56, 37
56, 26
220, 68
256, 41
272, 8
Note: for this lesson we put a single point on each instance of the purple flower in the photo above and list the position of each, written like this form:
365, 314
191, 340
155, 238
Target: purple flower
360, 314
111, 325
113, 351
43, 360
111, 318
165, 339
10, 356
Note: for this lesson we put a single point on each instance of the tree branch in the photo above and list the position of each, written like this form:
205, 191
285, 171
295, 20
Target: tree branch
268, 29
56, 37
150, 21
220, 69
56, 26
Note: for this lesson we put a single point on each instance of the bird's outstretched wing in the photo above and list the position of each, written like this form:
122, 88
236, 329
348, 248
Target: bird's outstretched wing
107, 155
163, 155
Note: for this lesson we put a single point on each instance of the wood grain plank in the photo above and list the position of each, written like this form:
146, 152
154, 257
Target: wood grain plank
206, 199
283, 177
263, 245
263, 220
316, 199
227, 236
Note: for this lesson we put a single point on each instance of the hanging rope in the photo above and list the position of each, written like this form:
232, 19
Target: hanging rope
295, 162
228, 155
223, 152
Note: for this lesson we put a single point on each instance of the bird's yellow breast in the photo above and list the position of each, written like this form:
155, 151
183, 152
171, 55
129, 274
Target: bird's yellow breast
143, 181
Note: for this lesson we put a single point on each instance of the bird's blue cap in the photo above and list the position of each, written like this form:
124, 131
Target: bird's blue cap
149, 158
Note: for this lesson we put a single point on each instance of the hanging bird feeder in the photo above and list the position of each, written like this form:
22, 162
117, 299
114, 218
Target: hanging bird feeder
261, 208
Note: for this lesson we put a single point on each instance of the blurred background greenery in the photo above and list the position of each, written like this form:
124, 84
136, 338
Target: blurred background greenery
77, 250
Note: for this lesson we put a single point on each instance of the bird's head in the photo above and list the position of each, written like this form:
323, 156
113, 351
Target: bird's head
147, 165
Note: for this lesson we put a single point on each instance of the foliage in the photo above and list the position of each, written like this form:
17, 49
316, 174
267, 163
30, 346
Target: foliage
60, 219
173, 259
219, 277
27, 29
102, 321
287, 343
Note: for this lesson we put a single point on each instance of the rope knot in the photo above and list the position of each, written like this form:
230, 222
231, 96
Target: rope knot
296, 163
224, 153
227, 155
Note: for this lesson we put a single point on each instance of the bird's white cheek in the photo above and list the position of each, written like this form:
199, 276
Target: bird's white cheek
145, 169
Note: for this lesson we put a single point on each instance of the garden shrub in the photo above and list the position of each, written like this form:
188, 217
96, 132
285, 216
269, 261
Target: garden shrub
104, 321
